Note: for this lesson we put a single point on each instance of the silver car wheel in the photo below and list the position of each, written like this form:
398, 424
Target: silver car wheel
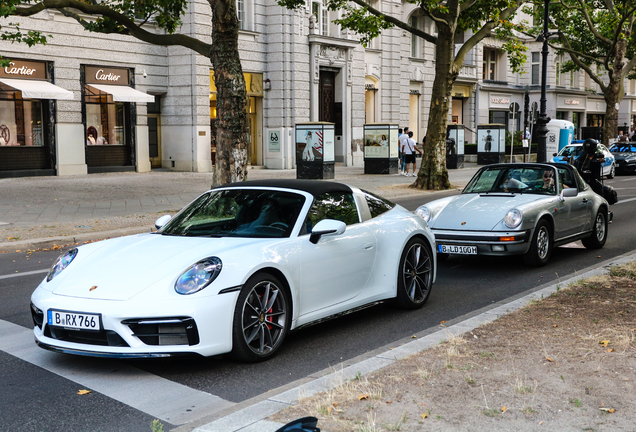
600, 226
263, 318
417, 273
543, 242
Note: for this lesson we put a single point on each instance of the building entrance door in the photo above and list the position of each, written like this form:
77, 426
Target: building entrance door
154, 140
327, 99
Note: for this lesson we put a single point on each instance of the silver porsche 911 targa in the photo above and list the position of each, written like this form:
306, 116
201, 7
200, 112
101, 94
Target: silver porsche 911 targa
519, 209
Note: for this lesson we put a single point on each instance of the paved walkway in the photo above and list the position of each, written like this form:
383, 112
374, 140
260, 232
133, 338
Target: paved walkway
42, 211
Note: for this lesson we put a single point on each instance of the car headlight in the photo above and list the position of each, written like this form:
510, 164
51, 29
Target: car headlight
198, 276
61, 263
513, 218
424, 213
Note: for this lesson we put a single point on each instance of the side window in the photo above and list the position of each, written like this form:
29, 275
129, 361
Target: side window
565, 179
582, 185
377, 205
333, 205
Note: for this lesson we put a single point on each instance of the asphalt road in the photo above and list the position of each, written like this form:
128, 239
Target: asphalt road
34, 398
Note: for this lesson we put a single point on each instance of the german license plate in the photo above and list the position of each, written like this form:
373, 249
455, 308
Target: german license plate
454, 249
74, 320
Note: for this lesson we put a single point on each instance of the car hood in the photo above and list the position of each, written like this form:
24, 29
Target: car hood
480, 212
623, 156
121, 268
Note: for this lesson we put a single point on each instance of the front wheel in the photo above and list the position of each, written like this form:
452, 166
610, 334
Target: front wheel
599, 233
541, 247
415, 275
261, 319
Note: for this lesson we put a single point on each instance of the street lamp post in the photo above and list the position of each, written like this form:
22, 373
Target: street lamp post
542, 121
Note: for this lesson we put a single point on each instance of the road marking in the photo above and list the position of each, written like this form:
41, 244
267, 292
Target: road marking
161, 398
29, 273
620, 201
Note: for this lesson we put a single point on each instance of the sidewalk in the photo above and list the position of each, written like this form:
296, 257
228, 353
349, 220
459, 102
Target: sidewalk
38, 212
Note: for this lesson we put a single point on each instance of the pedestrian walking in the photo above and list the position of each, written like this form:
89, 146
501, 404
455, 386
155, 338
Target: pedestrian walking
403, 139
409, 149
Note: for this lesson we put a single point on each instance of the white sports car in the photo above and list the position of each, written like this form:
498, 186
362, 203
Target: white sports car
234, 272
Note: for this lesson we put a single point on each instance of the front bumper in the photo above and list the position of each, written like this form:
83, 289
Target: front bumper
625, 167
498, 243
131, 329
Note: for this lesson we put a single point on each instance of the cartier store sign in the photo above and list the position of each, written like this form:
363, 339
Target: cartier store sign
106, 75
570, 102
19, 69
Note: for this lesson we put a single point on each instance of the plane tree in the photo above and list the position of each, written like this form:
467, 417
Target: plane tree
158, 22
598, 37
477, 19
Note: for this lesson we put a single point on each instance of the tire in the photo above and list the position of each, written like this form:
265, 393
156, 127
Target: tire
599, 232
258, 331
541, 247
415, 275
612, 172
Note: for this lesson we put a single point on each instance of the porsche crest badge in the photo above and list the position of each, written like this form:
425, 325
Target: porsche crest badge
93, 288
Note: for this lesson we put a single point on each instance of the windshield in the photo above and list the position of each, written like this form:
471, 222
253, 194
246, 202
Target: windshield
571, 151
238, 213
532, 180
623, 148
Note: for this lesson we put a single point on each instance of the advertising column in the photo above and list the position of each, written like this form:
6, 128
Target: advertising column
315, 151
381, 148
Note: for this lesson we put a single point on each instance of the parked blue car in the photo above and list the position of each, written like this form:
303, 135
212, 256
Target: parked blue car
571, 153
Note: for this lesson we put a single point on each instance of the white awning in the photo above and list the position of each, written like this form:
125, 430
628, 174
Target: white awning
33, 89
124, 93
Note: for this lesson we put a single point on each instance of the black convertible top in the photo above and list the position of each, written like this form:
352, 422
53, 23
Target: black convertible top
314, 187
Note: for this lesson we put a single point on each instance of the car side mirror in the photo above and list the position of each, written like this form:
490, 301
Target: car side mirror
569, 193
554, 154
162, 221
327, 227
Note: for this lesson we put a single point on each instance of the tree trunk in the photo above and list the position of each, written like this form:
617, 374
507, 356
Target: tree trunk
614, 94
433, 174
231, 122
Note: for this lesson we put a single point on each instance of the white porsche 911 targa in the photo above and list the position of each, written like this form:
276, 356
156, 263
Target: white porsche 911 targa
235, 271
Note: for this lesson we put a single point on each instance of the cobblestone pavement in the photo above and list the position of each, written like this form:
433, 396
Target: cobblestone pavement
37, 212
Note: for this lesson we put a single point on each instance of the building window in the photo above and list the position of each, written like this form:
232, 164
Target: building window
561, 115
415, 40
370, 97
632, 86
104, 118
574, 79
595, 120
536, 70
245, 13
490, 65
498, 117
325, 22
558, 71
20, 119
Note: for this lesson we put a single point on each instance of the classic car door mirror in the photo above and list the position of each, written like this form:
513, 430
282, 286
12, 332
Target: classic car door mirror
569, 192
327, 227
162, 221
554, 154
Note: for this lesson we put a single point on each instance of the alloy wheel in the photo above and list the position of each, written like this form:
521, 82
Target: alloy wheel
417, 273
264, 317
543, 243
600, 226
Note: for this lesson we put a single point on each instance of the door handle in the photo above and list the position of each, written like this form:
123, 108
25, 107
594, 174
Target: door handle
584, 200
368, 246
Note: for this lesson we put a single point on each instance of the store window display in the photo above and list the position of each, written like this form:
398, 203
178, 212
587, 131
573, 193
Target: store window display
104, 119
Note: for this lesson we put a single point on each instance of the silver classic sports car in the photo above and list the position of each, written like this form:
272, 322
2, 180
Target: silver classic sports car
519, 209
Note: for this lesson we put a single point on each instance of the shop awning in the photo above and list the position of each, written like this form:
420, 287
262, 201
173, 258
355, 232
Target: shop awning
124, 93
33, 89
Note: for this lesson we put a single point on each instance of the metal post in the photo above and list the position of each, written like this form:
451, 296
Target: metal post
542, 122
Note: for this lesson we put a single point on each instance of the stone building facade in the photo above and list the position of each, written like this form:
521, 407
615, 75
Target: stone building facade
299, 67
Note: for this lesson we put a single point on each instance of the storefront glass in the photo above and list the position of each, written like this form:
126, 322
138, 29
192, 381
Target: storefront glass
20, 119
105, 119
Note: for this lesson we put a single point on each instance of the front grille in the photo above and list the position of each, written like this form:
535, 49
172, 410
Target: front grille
37, 315
480, 239
103, 337
164, 331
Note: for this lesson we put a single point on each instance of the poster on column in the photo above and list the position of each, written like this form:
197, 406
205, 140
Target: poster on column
376, 141
310, 143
